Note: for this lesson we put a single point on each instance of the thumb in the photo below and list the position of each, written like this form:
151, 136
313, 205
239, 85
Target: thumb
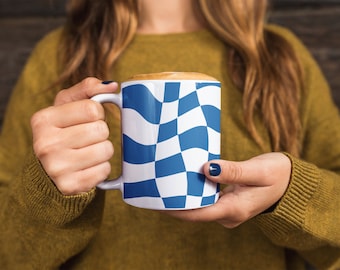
84, 90
257, 171
228, 172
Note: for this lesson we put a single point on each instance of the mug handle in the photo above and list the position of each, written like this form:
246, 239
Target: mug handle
117, 100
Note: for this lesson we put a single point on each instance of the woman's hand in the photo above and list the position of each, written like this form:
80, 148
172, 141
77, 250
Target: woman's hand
71, 138
253, 186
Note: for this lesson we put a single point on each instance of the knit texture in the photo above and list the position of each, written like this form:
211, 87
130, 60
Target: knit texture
42, 229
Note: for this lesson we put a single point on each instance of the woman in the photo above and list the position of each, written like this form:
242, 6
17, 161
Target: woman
280, 155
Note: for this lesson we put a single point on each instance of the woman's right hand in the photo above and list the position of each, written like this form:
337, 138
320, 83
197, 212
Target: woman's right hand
71, 138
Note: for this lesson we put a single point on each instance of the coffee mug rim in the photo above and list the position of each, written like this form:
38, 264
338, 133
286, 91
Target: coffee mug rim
171, 76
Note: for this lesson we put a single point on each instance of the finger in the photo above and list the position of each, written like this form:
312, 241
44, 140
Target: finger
84, 90
70, 161
91, 155
83, 135
230, 172
258, 171
84, 180
69, 114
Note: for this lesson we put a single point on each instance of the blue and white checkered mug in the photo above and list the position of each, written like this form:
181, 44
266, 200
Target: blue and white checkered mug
170, 128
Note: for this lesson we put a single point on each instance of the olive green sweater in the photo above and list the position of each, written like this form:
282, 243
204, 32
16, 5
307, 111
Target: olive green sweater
42, 229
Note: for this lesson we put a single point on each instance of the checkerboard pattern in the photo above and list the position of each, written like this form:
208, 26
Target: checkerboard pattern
167, 138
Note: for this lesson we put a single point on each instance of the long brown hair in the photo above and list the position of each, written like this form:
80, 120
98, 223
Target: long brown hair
262, 64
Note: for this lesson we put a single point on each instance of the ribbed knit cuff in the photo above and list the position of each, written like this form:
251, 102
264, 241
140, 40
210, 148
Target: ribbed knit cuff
289, 215
43, 200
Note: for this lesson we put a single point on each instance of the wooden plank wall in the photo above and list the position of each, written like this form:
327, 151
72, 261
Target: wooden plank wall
23, 23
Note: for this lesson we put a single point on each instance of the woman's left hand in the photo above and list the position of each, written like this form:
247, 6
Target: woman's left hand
253, 186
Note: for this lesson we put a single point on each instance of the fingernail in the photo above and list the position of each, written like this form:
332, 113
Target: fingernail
107, 82
214, 169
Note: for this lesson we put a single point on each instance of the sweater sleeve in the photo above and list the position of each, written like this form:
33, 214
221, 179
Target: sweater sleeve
307, 218
38, 225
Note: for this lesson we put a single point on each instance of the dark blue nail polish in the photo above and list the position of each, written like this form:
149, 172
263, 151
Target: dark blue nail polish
214, 169
107, 82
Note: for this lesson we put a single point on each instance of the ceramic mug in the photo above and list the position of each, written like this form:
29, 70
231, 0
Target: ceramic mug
170, 128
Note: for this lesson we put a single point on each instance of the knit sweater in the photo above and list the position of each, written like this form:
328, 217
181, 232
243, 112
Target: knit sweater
42, 229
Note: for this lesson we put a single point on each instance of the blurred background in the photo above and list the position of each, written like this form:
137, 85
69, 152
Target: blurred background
23, 23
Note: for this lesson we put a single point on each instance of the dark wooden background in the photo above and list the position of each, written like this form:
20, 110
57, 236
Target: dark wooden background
23, 23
